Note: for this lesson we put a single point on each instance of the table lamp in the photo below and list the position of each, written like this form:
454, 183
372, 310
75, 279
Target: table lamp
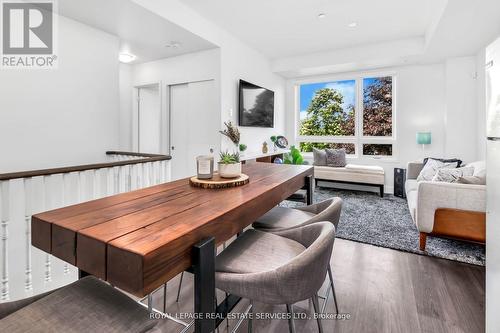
423, 138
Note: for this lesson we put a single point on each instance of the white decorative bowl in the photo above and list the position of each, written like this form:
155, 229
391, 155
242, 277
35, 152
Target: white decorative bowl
229, 170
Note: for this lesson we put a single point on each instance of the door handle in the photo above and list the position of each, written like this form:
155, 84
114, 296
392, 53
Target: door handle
173, 148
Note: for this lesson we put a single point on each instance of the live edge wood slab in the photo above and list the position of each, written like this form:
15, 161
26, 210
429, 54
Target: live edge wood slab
138, 240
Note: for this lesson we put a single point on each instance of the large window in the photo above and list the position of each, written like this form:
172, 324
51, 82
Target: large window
329, 116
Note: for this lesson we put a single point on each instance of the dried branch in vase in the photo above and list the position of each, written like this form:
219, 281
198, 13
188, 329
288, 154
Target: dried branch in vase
231, 132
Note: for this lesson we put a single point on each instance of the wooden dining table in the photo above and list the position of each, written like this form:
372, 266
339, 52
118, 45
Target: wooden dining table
141, 239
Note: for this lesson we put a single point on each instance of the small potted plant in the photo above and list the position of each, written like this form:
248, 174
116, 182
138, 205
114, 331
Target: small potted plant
242, 148
273, 140
229, 165
294, 157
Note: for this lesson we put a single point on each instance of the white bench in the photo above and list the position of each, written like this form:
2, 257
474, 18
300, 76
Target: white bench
367, 175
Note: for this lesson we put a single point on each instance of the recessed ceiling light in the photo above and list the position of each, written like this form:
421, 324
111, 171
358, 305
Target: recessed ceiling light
126, 57
173, 45
352, 25
321, 15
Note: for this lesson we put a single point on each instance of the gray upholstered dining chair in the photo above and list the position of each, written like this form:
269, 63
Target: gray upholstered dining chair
283, 218
87, 305
277, 268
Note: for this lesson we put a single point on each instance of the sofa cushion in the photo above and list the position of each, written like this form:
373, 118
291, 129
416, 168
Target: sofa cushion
365, 168
319, 156
479, 168
412, 198
411, 185
87, 305
473, 180
335, 157
350, 173
257, 251
449, 175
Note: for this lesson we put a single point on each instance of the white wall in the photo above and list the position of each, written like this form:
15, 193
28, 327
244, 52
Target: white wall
420, 106
481, 104
63, 116
126, 99
461, 123
238, 61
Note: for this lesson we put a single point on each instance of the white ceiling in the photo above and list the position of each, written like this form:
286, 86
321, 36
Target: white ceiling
141, 32
282, 28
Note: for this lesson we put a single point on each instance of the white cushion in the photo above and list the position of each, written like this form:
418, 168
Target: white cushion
354, 175
479, 168
449, 175
431, 167
411, 185
411, 198
365, 168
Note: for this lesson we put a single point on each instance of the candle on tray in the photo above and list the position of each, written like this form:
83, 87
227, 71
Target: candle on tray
205, 167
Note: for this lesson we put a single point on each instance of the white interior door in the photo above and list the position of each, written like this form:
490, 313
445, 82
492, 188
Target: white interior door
149, 119
195, 121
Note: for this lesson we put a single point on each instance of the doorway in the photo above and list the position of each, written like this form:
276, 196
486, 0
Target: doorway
194, 124
149, 119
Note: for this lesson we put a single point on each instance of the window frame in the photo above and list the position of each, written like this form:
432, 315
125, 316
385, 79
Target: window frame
359, 139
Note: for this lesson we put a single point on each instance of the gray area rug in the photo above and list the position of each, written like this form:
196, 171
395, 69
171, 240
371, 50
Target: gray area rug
386, 222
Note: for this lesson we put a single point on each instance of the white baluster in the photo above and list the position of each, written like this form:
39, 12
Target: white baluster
139, 175
66, 201
157, 172
28, 209
151, 173
109, 177
116, 180
163, 173
133, 177
5, 194
46, 202
145, 175
95, 184
128, 179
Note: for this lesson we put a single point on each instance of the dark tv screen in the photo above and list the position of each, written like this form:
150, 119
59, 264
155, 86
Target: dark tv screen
256, 106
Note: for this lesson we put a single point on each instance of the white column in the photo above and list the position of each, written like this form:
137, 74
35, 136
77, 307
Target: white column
28, 209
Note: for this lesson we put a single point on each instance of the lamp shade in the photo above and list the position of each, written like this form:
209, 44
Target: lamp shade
423, 138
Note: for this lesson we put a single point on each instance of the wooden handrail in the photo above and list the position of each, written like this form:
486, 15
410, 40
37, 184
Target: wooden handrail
146, 158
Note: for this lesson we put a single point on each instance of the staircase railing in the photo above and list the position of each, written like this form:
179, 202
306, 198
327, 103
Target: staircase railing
26, 270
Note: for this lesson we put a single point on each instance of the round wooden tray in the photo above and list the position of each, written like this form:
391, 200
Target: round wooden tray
218, 182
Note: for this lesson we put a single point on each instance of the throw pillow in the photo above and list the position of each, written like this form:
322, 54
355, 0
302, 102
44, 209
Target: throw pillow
335, 157
444, 160
431, 167
450, 175
479, 168
319, 157
473, 180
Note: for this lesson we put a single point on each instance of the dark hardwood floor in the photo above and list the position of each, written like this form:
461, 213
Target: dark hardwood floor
382, 290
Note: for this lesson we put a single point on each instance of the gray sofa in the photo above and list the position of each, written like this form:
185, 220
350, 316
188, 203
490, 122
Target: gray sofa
461, 206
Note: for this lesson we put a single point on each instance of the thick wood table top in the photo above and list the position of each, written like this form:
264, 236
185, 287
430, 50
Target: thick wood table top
138, 240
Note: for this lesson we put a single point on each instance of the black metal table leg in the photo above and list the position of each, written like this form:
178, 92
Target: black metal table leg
309, 189
204, 285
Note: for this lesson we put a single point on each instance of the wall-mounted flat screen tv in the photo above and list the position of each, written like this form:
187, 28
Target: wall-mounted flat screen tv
256, 106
